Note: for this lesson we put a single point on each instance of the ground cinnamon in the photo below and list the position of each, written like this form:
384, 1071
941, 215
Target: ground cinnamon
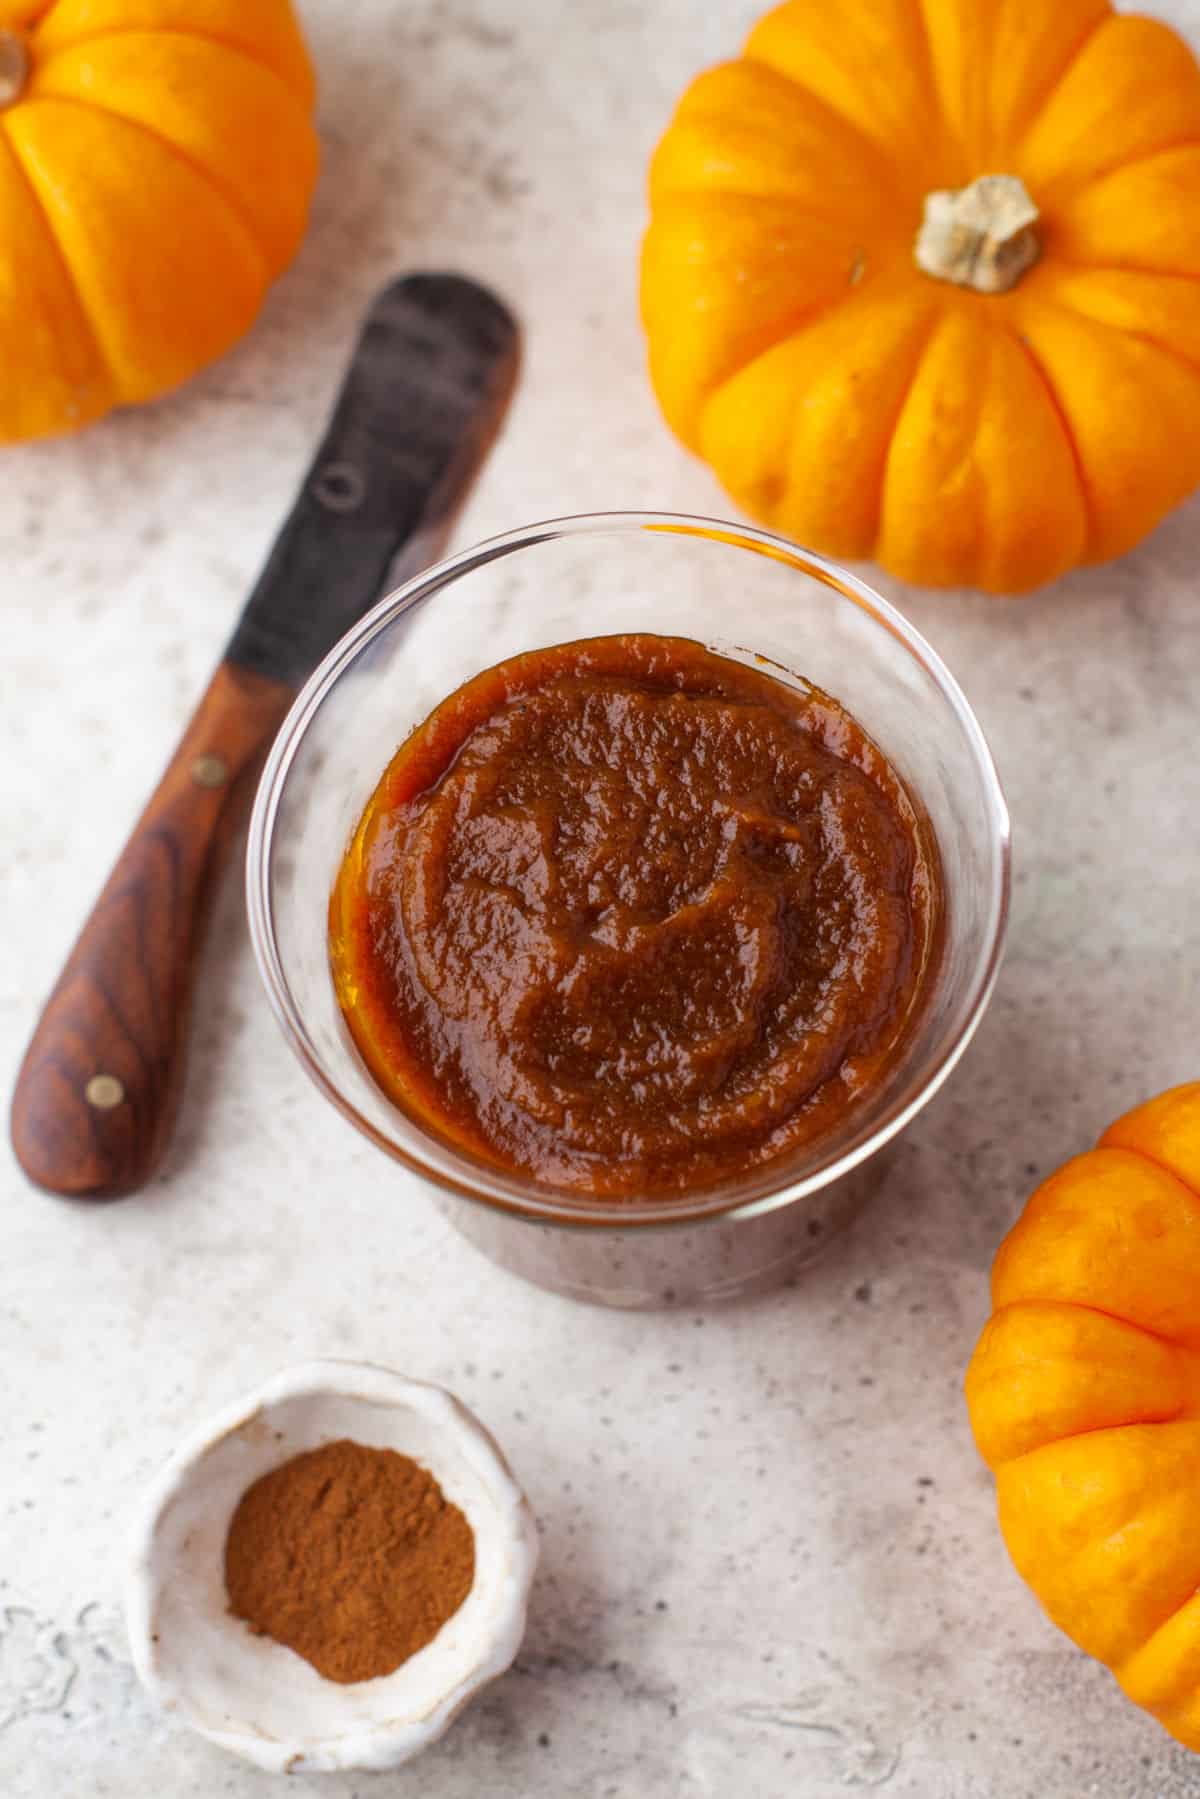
351, 1556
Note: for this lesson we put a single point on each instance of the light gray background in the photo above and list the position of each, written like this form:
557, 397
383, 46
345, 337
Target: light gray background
770, 1559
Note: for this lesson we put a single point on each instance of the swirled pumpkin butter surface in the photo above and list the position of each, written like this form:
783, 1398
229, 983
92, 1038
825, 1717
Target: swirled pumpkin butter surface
630, 917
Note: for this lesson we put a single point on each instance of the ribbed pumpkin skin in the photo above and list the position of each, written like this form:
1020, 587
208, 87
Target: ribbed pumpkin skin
987, 440
155, 177
1084, 1393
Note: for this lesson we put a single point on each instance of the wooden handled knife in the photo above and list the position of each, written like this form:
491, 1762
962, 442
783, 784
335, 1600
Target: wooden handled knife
424, 396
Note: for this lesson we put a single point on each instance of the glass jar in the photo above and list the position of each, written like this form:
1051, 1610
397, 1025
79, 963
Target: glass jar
743, 593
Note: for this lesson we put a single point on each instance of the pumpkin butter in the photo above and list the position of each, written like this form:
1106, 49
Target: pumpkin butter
630, 917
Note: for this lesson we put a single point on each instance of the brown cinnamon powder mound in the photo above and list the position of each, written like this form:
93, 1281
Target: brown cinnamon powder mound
353, 1557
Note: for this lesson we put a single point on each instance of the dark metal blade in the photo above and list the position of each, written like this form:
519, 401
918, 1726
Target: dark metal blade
423, 398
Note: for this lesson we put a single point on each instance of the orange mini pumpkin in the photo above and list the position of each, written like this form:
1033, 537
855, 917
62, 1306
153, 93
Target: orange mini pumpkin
157, 158
884, 351
1084, 1394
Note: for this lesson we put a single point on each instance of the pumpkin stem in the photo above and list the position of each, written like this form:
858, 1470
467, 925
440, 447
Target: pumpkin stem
14, 67
981, 236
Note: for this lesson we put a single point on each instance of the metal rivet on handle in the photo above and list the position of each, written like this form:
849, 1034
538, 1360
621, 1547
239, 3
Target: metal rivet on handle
339, 487
104, 1091
210, 771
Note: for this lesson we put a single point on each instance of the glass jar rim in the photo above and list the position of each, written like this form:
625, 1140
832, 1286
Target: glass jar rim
527, 1199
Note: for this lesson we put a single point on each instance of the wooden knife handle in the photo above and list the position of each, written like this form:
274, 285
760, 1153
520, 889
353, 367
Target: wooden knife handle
100, 1083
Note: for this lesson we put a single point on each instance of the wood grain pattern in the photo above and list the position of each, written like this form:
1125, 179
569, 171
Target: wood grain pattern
119, 1013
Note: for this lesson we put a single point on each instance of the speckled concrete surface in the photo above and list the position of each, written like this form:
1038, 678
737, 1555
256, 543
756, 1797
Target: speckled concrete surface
770, 1560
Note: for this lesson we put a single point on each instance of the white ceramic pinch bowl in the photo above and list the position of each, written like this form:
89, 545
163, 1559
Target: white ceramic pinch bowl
247, 1692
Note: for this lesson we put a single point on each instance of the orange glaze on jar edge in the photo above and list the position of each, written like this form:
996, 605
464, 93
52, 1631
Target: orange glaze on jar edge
630, 918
